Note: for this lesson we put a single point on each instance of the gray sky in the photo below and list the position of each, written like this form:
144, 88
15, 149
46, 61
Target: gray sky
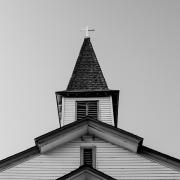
136, 42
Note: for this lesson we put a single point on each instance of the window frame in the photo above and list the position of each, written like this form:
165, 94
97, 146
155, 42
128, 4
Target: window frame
93, 155
86, 109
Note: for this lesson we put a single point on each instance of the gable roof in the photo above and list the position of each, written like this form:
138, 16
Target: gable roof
88, 125
87, 74
84, 171
112, 134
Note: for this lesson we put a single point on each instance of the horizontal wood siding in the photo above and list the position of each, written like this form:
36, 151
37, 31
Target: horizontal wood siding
110, 159
105, 109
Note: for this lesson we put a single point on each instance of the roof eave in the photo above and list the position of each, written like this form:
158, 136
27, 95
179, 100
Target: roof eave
162, 158
85, 126
19, 158
75, 93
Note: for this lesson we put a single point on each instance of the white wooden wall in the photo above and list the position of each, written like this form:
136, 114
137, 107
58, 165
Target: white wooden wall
110, 159
105, 109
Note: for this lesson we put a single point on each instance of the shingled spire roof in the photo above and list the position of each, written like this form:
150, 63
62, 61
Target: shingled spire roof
87, 74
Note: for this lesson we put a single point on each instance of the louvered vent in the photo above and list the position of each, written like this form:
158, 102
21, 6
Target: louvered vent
88, 156
85, 108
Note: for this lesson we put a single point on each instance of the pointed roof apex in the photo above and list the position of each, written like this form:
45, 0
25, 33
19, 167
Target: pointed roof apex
87, 74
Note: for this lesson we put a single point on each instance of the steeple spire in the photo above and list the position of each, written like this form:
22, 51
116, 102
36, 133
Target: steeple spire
87, 74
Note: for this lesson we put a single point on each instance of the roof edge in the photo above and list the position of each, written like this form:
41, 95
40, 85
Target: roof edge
157, 156
84, 168
147, 152
79, 92
58, 131
18, 158
131, 136
88, 124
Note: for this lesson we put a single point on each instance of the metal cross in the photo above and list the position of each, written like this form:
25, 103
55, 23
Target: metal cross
87, 31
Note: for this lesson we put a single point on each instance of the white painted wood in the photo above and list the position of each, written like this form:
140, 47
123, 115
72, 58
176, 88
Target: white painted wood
93, 128
114, 139
73, 134
105, 109
62, 111
110, 159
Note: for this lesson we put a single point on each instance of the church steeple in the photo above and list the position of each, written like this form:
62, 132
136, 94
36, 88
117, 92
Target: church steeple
87, 74
87, 93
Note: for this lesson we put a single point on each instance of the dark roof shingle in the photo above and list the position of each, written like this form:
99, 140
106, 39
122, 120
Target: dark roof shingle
87, 74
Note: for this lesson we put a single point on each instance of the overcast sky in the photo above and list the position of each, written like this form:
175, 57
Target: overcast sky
136, 42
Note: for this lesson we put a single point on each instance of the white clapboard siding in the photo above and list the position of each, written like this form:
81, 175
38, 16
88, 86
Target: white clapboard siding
110, 159
105, 113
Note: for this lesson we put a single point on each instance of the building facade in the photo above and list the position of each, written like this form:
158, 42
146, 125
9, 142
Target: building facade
88, 145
